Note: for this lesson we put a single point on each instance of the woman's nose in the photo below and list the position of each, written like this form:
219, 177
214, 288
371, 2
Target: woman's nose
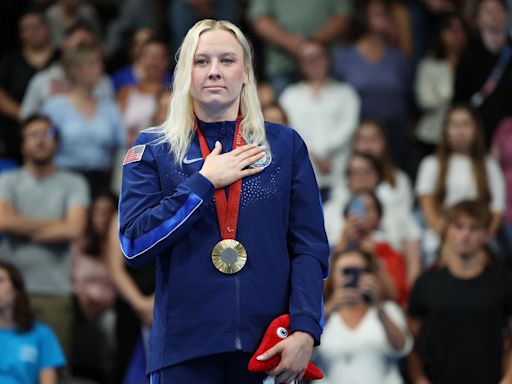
214, 71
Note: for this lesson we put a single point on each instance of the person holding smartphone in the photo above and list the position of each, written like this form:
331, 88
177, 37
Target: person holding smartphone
364, 336
362, 216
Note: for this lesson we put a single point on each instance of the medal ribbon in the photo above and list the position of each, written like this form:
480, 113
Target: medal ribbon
227, 209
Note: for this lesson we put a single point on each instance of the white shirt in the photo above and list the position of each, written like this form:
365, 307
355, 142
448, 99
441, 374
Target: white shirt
362, 355
400, 196
460, 182
434, 88
139, 110
396, 227
326, 120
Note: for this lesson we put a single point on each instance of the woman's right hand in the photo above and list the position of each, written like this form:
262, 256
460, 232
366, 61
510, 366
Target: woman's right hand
226, 168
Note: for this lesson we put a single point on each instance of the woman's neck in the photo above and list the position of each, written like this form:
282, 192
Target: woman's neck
38, 57
466, 266
211, 115
352, 314
82, 92
372, 46
6, 318
317, 84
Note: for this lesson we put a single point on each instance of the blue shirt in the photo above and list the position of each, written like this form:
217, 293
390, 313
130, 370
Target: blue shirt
126, 77
86, 143
384, 85
24, 355
167, 213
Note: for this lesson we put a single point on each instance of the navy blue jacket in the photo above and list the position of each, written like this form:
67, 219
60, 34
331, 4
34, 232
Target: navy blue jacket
167, 211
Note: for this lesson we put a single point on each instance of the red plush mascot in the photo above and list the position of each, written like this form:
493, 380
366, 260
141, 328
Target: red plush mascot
278, 330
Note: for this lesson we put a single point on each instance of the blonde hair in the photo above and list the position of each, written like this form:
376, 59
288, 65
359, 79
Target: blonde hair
179, 127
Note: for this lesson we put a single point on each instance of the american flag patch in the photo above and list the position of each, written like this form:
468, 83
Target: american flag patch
134, 154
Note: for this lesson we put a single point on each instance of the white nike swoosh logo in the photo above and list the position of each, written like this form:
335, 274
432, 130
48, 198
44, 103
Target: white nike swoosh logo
186, 160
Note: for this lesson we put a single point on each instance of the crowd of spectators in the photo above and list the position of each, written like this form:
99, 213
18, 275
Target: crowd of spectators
406, 110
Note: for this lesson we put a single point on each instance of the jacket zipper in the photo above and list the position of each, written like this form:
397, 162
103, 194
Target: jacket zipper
238, 340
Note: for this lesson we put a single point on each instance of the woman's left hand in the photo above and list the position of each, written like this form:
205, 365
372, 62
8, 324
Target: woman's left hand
295, 353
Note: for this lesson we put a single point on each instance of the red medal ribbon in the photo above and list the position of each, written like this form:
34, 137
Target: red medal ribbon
227, 209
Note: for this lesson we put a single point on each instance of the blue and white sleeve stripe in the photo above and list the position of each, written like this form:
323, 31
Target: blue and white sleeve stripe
132, 248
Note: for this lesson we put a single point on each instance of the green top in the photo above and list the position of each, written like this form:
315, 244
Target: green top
301, 17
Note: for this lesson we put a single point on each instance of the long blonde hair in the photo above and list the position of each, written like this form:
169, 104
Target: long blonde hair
179, 127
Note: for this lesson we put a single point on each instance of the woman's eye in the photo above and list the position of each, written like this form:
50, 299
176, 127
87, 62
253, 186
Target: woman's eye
200, 61
228, 60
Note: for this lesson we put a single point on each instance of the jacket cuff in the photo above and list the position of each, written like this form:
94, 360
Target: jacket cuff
201, 186
307, 324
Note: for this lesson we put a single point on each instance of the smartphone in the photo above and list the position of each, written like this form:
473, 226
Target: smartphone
356, 207
354, 274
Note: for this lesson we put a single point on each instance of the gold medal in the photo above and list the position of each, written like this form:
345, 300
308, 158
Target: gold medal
229, 256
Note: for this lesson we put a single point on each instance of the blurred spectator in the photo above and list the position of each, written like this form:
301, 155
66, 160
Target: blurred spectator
395, 191
401, 26
286, 24
10, 13
134, 307
90, 129
183, 14
364, 336
63, 14
362, 217
324, 112
30, 351
94, 317
460, 170
163, 100
427, 15
484, 74
266, 94
435, 79
90, 276
502, 150
275, 114
459, 313
16, 70
133, 15
131, 74
381, 74
53, 81
138, 101
42, 211
397, 226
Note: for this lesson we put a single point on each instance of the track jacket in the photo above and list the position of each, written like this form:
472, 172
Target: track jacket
167, 212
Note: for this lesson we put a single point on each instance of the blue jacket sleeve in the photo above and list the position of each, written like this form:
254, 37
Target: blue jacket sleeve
149, 221
308, 246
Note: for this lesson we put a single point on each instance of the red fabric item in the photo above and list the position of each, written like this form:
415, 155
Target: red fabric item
278, 330
394, 263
